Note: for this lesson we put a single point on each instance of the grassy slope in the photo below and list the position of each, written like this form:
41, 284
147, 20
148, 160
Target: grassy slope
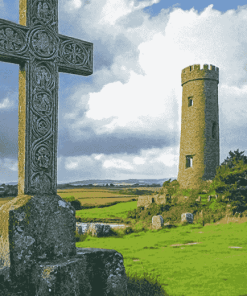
208, 268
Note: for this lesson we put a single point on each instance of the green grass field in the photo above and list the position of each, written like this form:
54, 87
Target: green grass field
191, 260
213, 266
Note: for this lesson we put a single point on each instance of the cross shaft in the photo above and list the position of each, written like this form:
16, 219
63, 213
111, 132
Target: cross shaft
42, 53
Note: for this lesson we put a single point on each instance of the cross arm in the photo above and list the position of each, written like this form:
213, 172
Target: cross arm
75, 56
13, 45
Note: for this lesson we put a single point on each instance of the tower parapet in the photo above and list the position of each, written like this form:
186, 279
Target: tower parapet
195, 73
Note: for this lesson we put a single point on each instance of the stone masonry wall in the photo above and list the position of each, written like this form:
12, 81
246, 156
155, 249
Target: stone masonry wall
146, 201
197, 124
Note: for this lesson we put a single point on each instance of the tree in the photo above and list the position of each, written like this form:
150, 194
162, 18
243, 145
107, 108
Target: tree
236, 155
231, 180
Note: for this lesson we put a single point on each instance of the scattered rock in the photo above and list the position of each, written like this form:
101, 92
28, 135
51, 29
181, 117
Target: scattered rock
157, 222
187, 217
98, 230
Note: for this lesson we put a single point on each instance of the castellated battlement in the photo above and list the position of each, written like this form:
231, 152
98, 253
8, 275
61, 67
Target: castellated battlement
195, 73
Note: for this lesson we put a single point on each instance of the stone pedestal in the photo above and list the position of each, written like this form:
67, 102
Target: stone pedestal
43, 257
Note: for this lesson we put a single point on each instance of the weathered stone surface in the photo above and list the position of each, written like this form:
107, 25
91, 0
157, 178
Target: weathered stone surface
146, 201
98, 230
197, 140
157, 222
90, 272
209, 198
43, 228
187, 217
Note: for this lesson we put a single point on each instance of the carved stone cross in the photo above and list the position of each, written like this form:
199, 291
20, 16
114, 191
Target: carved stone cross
41, 53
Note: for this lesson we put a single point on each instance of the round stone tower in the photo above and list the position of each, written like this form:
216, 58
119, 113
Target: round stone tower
199, 141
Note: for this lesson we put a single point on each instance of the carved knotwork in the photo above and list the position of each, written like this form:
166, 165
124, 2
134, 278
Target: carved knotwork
43, 43
11, 40
41, 126
74, 53
42, 157
42, 103
41, 182
42, 52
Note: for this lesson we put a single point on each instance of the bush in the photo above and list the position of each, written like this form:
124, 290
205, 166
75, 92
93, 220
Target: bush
229, 180
171, 187
69, 198
128, 230
76, 205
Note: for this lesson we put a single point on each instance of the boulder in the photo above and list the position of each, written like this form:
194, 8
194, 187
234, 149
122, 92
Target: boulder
98, 230
157, 222
187, 217
209, 198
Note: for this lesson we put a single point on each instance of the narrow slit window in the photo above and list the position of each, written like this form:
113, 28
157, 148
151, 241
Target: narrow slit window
190, 102
214, 130
189, 161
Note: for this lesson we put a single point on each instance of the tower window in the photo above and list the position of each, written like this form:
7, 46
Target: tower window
189, 161
190, 102
214, 130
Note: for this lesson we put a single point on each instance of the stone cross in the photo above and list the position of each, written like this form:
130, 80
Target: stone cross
41, 53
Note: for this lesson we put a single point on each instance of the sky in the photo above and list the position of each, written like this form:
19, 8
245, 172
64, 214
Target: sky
124, 121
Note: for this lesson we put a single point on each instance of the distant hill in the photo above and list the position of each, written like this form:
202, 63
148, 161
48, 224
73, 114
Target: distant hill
97, 182
121, 183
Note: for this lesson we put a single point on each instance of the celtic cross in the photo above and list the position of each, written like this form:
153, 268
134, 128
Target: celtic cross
41, 52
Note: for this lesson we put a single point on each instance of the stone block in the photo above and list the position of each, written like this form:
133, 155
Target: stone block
98, 230
145, 201
187, 217
199, 198
41, 227
157, 222
209, 198
90, 272
160, 200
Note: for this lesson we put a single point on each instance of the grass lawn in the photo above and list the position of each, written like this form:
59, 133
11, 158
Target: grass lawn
187, 260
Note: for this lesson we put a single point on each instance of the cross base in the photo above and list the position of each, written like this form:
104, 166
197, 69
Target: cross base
91, 272
41, 257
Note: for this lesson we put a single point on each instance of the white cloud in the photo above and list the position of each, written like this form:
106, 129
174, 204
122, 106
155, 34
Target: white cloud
118, 163
6, 103
138, 88
157, 163
115, 9
74, 4
10, 164
138, 160
234, 107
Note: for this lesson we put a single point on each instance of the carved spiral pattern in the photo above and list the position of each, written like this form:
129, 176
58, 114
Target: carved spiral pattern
42, 120
12, 40
44, 52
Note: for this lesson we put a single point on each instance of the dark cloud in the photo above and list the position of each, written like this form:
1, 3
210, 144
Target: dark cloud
8, 133
113, 144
